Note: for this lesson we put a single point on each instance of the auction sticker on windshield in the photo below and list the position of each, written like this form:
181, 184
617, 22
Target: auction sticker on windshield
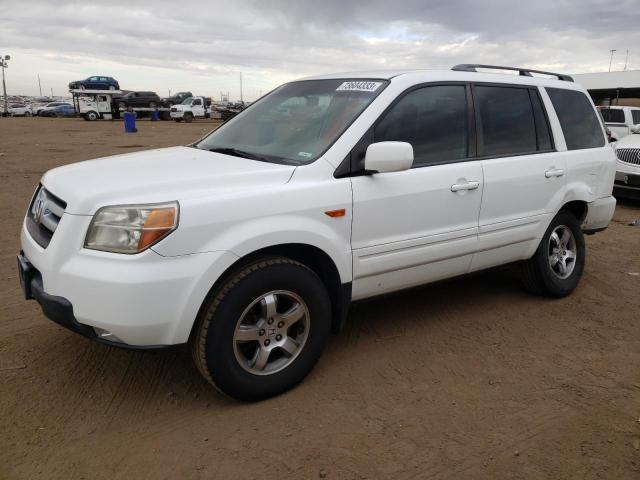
359, 86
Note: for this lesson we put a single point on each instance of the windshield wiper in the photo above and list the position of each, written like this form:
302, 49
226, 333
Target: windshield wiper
238, 153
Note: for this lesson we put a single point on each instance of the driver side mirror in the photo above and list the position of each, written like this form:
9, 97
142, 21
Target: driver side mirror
635, 128
383, 157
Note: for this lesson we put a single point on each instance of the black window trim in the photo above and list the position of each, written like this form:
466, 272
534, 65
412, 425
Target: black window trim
530, 89
347, 167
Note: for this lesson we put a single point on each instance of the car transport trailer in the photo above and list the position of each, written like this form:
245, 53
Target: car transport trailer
102, 104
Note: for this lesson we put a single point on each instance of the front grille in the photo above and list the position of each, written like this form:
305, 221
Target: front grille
43, 216
173, 109
629, 155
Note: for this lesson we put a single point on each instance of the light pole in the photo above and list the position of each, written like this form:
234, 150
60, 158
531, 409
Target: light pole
611, 59
3, 63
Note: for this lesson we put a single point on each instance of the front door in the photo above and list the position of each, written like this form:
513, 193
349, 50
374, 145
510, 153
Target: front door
419, 225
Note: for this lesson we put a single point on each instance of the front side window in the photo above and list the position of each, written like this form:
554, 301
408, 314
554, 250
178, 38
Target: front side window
507, 121
197, 101
635, 116
433, 120
578, 119
295, 123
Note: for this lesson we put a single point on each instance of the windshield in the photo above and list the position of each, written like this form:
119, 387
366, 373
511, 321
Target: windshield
187, 101
295, 123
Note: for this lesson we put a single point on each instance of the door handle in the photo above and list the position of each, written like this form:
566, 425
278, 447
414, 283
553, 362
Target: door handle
456, 187
554, 172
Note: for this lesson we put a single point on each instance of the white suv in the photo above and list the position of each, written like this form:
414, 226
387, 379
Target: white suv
250, 244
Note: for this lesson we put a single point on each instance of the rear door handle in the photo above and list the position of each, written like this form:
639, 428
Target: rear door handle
554, 172
456, 187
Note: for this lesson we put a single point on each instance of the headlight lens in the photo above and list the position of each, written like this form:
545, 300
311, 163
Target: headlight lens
131, 228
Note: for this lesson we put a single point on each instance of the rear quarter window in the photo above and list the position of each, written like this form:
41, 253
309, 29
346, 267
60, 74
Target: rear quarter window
578, 119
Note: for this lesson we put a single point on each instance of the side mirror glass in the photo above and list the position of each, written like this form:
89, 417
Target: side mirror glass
382, 157
635, 128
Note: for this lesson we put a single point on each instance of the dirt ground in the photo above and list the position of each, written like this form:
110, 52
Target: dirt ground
468, 379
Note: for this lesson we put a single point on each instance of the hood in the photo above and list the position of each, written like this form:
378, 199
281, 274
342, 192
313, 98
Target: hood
629, 141
159, 175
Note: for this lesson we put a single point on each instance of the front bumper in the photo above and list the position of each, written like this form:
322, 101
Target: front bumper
144, 300
627, 185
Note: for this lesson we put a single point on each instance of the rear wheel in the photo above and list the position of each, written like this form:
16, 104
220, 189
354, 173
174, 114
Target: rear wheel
264, 329
112, 87
556, 267
27, 114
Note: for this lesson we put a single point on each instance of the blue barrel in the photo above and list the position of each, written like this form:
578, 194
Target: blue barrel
155, 116
129, 122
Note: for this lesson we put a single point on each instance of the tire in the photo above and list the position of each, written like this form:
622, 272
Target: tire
27, 114
188, 117
91, 116
112, 87
234, 366
551, 271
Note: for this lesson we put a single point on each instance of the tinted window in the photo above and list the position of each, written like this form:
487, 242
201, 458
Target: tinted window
433, 120
635, 115
507, 121
197, 101
578, 119
612, 115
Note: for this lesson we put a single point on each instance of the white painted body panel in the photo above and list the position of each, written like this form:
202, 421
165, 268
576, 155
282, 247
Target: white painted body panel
400, 228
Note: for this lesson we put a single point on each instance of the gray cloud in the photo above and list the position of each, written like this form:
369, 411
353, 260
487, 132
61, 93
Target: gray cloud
161, 43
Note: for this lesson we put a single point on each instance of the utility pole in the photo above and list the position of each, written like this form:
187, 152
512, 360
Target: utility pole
241, 86
3, 62
626, 60
611, 59
39, 86
51, 93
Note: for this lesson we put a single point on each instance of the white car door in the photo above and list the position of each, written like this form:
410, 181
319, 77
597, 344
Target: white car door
197, 108
523, 174
419, 225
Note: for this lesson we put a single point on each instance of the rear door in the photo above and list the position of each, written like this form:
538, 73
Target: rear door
523, 174
419, 225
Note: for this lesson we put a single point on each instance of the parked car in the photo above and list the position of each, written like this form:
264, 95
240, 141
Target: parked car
176, 99
138, 99
59, 111
620, 120
627, 182
251, 243
20, 110
95, 83
50, 106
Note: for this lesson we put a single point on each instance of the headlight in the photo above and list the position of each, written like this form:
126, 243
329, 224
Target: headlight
131, 228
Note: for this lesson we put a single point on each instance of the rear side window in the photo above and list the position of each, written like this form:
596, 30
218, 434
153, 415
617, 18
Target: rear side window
507, 121
635, 116
612, 115
433, 120
578, 119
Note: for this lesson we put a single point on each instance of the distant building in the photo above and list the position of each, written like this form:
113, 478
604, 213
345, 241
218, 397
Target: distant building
612, 88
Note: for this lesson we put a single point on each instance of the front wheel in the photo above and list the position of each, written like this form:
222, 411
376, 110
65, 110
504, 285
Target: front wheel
264, 330
556, 267
27, 114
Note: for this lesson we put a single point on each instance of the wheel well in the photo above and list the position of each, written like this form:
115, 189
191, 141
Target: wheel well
310, 256
578, 208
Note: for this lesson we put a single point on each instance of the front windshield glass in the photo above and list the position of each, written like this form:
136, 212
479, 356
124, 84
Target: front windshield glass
295, 123
187, 101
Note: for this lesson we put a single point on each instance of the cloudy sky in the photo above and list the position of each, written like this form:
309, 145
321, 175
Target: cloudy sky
204, 45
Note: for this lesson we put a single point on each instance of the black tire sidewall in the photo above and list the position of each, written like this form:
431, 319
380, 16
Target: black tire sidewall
222, 364
554, 285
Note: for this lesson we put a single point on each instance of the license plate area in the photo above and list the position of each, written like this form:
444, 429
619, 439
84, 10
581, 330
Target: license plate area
25, 274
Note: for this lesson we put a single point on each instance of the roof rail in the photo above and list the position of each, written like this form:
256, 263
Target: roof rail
524, 72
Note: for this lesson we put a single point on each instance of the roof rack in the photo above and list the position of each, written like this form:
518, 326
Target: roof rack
524, 72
